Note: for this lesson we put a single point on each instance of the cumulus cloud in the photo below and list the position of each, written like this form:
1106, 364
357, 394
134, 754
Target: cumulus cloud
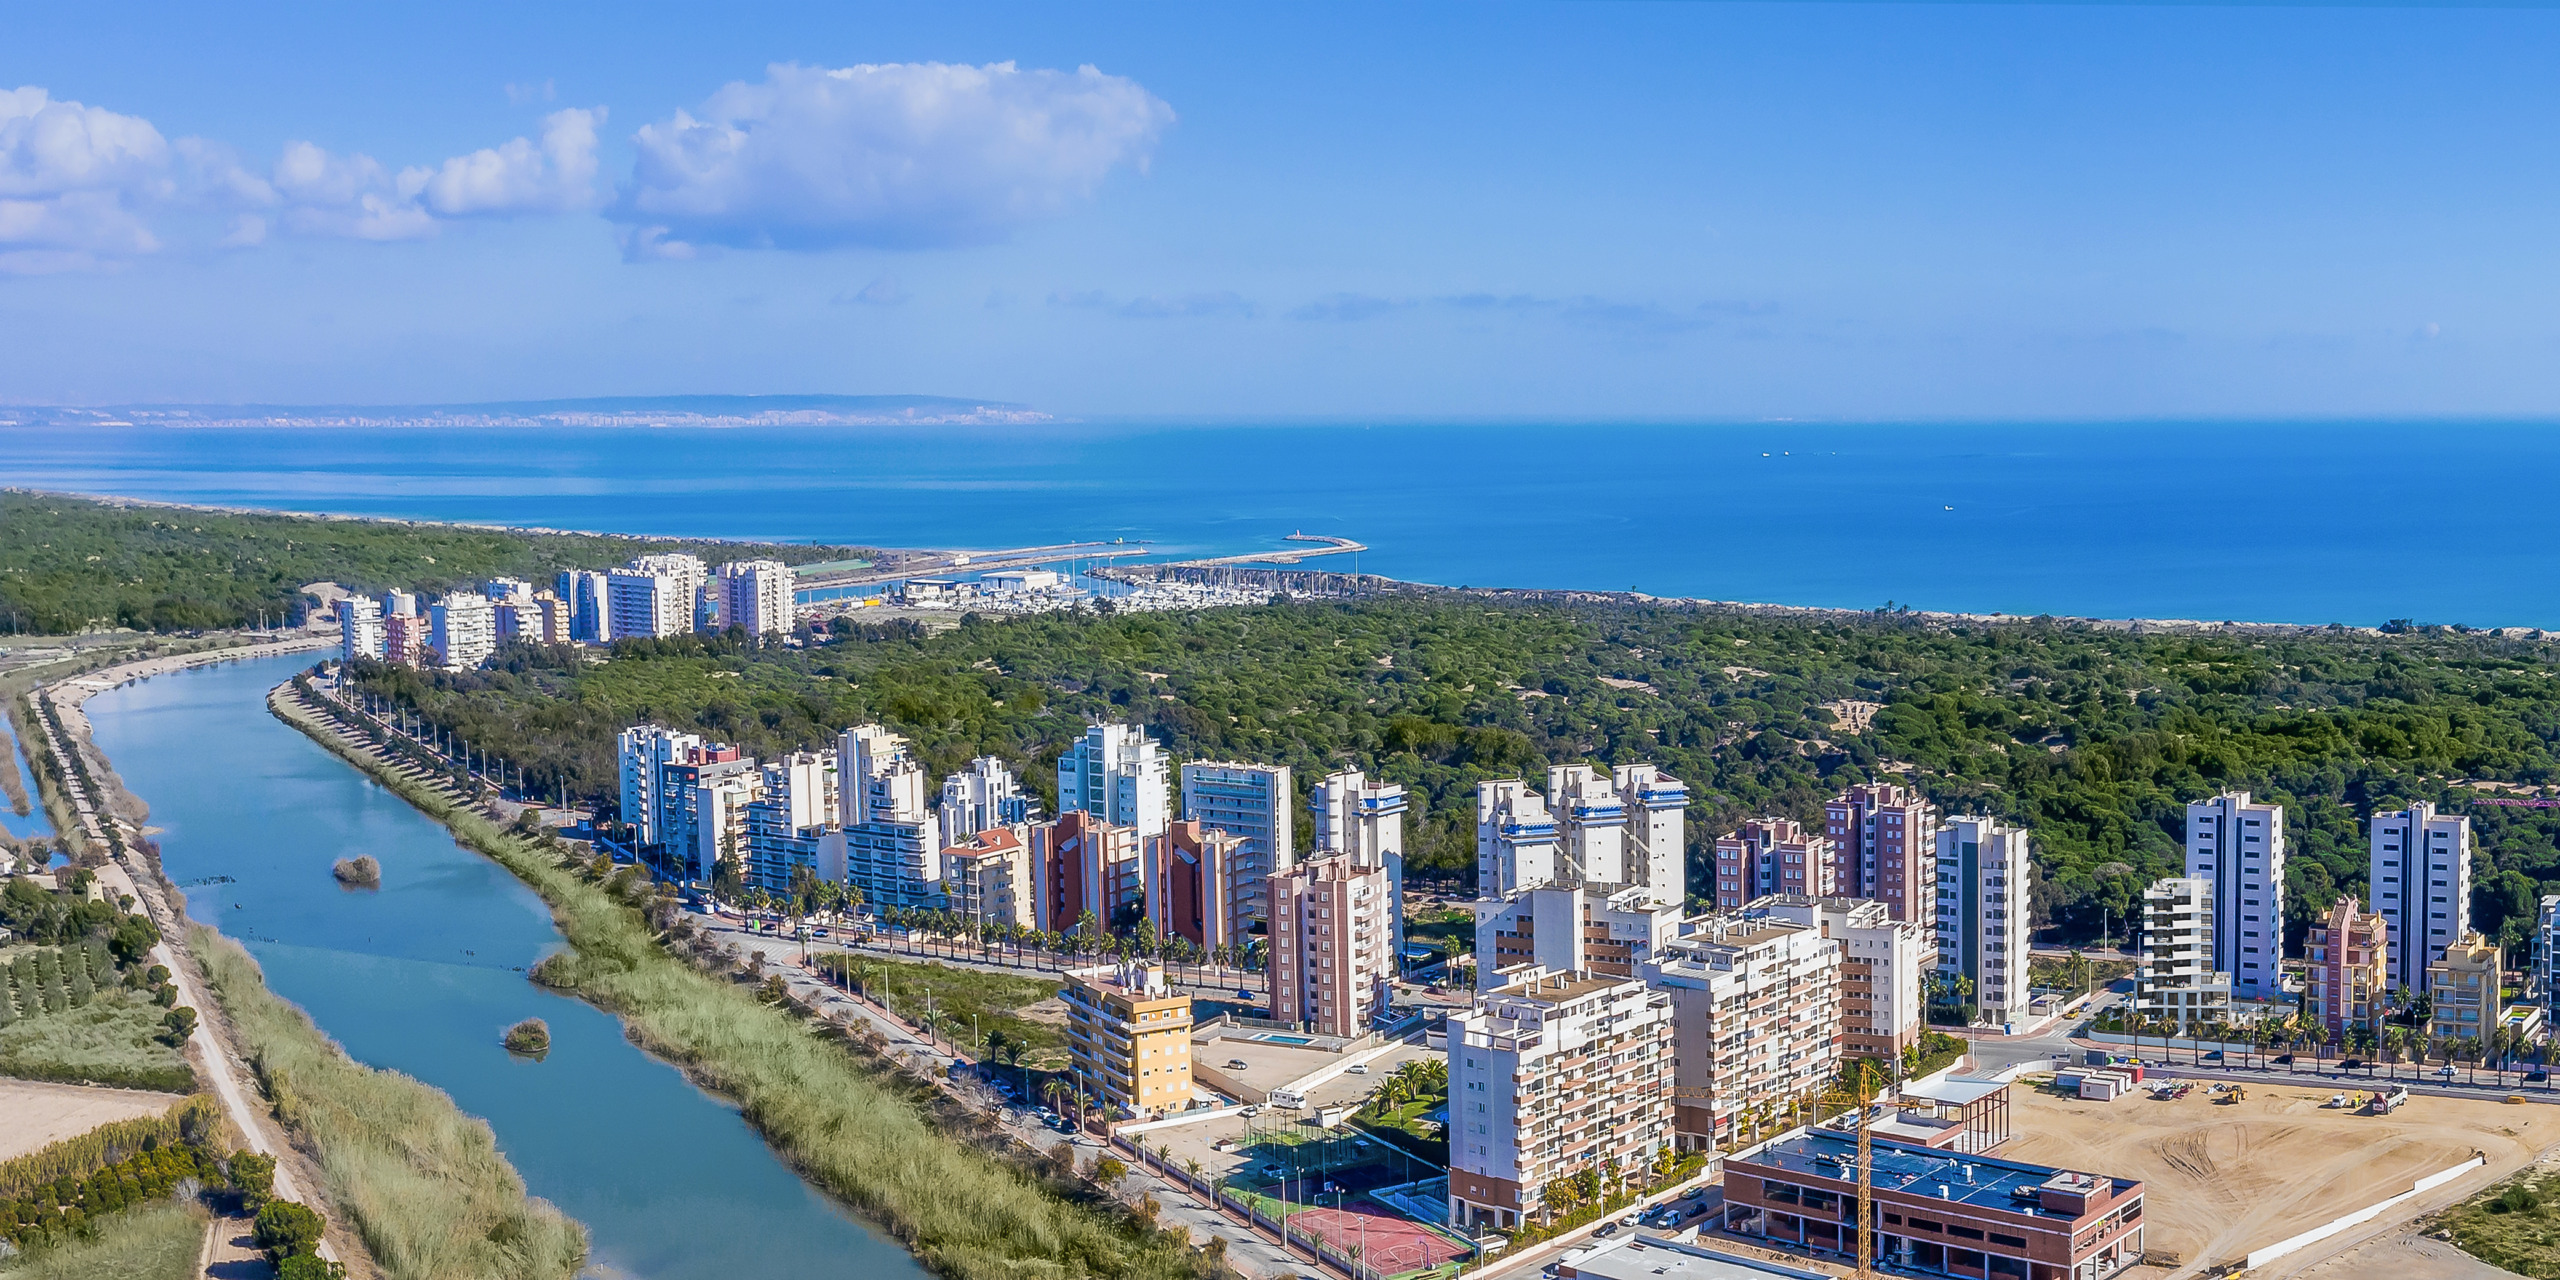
82, 186
899, 155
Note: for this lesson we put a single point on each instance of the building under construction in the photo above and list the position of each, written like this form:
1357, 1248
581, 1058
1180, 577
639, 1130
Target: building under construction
1936, 1212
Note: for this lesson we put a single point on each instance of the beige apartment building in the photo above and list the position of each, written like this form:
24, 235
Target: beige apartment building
1129, 1039
1756, 1005
1549, 1075
988, 879
1885, 962
2463, 983
1333, 940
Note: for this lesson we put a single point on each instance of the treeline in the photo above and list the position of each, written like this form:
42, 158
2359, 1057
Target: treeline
69, 563
2094, 738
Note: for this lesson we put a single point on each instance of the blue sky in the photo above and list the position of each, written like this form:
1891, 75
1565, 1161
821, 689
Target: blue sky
1660, 210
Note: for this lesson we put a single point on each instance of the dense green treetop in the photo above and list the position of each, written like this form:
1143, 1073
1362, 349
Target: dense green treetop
69, 563
2095, 738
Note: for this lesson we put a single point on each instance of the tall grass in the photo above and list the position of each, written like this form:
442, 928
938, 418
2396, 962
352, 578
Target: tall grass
154, 1242
83, 1154
423, 1183
966, 1212
114, 1039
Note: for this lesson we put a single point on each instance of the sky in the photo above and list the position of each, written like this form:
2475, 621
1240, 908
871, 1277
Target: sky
1709, 211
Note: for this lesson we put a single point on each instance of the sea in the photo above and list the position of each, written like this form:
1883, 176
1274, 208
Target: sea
2358, 522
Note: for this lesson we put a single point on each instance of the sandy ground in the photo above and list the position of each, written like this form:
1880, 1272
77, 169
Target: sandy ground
43, 1114
2222, 1180
2402, 1255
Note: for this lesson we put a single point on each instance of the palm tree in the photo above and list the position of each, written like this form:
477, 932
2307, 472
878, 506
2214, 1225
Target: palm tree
1191, 1166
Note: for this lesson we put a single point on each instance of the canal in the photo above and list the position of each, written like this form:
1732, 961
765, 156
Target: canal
422, 976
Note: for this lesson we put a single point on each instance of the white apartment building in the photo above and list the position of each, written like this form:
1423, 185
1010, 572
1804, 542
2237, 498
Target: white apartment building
1885, 963
462, 628
2421, 886
359, 628
788, 820
2238, 845
1118, 774
2177, 981
1257, 804
1983, 915
982, 796
1366, 820
1570, 929
508, 591
1333, 944
987, 877
2546, 957
1756, 1014
1550, 1075
1657, 807
889, 843
690, 575
1516, 839
1884, 844
753, 594
642, 750
1591, 823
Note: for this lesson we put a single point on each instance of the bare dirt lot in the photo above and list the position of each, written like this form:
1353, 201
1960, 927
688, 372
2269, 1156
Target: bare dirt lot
43, 1114
2223, 1180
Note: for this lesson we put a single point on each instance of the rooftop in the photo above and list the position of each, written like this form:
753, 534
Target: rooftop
1980, 1181
1640, 1258
1952, 1091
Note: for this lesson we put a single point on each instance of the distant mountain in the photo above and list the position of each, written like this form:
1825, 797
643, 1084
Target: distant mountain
596, 411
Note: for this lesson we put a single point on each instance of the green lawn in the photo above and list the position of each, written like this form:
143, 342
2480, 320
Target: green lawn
112, 1040
994, 998
156, 1242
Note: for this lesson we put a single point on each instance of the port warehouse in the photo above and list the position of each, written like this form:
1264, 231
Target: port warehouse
1936, 1211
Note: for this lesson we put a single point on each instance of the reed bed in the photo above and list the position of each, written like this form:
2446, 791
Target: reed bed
967, 1213
80, 1155
424, 1185
154, 1242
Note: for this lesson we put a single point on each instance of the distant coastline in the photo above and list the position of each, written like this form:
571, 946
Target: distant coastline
599, 411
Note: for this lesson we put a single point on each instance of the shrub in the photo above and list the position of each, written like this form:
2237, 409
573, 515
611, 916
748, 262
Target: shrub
287, 1228
252, 1177
529, 1036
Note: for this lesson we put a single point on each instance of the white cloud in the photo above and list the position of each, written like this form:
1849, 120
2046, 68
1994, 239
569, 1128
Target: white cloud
901, 155
70, 177
556, 177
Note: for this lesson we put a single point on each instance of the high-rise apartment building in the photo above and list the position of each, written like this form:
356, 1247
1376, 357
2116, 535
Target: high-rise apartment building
1591, 824
2545, 979
1079, 865
702, 813
1772, 856
753, 594
2350, 983
1195, 878
646, 604
1128, 1039
462, 629
1118, 774
2238, 844
1570, 929
404, 637
1983, 913
983, 796
1333, 944
549, 621
1884, 843
889, 843
1366, 820
788, 821
2176, 982
588, 597
1755, 1006
1885, 964
1516, 839
642, 751
2420, 879
1552, 1074
690, 575
507, 591
360, 628
1657, 807
1257, 804
2462, 986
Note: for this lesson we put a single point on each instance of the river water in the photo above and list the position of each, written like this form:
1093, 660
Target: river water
423, 975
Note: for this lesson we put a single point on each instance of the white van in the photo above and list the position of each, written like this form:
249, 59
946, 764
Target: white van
1288, 1099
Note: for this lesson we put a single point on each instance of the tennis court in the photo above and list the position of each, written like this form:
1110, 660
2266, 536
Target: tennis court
1391, 1244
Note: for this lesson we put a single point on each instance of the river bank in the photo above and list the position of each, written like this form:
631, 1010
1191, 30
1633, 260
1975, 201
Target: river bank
411, 1186
960, 1200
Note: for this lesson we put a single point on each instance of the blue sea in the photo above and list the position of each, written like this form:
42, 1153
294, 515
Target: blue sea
2355, 522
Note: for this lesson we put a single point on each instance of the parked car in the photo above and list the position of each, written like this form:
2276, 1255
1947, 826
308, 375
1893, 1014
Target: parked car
1357, 1069
2213, 1055
1608, 1231
2445, 1072
1244, 993
1629, 1220
2282, 1059
2537, 1076
1237, 1064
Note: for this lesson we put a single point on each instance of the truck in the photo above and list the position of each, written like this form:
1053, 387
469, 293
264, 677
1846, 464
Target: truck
2388, 1100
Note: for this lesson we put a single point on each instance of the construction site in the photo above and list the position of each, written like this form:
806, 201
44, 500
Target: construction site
2233, 1171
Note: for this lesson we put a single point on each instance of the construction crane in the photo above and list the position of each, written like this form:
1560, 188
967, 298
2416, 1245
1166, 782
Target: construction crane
1857, 1094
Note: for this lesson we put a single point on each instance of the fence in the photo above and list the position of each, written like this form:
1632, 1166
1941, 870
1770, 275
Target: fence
2261, 1257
